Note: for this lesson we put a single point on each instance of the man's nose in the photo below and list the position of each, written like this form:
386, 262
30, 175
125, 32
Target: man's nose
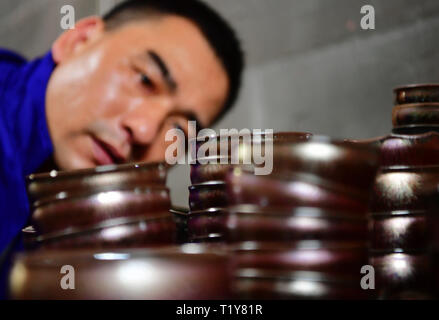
145, 121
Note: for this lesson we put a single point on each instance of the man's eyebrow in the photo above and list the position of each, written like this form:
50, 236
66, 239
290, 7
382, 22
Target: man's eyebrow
172, 84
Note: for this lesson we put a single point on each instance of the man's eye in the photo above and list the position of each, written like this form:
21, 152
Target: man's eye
146, 80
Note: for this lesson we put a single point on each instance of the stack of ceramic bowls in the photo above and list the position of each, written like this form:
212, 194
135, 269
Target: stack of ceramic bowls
112, 206
301, 232
173, 273
405, 195
208, 199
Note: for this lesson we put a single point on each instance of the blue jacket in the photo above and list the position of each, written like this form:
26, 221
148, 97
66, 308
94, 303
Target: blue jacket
24, 136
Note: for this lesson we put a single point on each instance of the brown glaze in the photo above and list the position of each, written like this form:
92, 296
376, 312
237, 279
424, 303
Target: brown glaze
251, 223
400, 231
294, 191
331, 257
417, 114
117, 233
180, 216
206, 224
212, 169
401, 188
299, 271
225, 142
29, 236
87, 181
417, 93
350, 165
308, 286
402, 275
209, 172
82, 211
402, 150
207, 195
187, 272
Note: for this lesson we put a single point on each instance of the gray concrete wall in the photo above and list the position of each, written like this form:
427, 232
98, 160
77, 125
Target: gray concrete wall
310, 65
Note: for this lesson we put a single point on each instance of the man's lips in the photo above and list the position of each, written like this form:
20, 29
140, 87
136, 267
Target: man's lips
106, 154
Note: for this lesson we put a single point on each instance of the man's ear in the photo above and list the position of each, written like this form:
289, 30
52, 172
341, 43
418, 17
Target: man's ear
71, 41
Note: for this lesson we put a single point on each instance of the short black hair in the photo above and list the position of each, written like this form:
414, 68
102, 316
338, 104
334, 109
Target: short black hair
220, 35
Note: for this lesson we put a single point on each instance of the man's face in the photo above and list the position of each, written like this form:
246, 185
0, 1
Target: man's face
113, 99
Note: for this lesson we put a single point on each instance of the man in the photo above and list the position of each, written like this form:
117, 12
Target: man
108, 91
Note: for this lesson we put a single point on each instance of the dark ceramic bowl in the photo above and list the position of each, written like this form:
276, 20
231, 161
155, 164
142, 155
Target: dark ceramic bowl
331, 257
403, 230
201, 173
88, 181
407, 149
401, 188
295, 191
180, 215
230, 141
60, 213
116, 233
418, 114
342, 164
254, 285
29, 236
206, 224
252, 223
176, 273
402, 275
417, 93
211, 168
208, 195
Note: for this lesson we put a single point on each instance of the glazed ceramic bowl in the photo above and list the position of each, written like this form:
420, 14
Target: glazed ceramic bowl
417, 93
331, 257
227, 142
180, 215
341, 164
260, 285
214, 166
176, 273
208, 195
406, 150
252, 223
116, 233
29, 236
402, 230
417, 114
66, 211
211, 171
401, 188
292, 191
402, 275
88, 181
206, 224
